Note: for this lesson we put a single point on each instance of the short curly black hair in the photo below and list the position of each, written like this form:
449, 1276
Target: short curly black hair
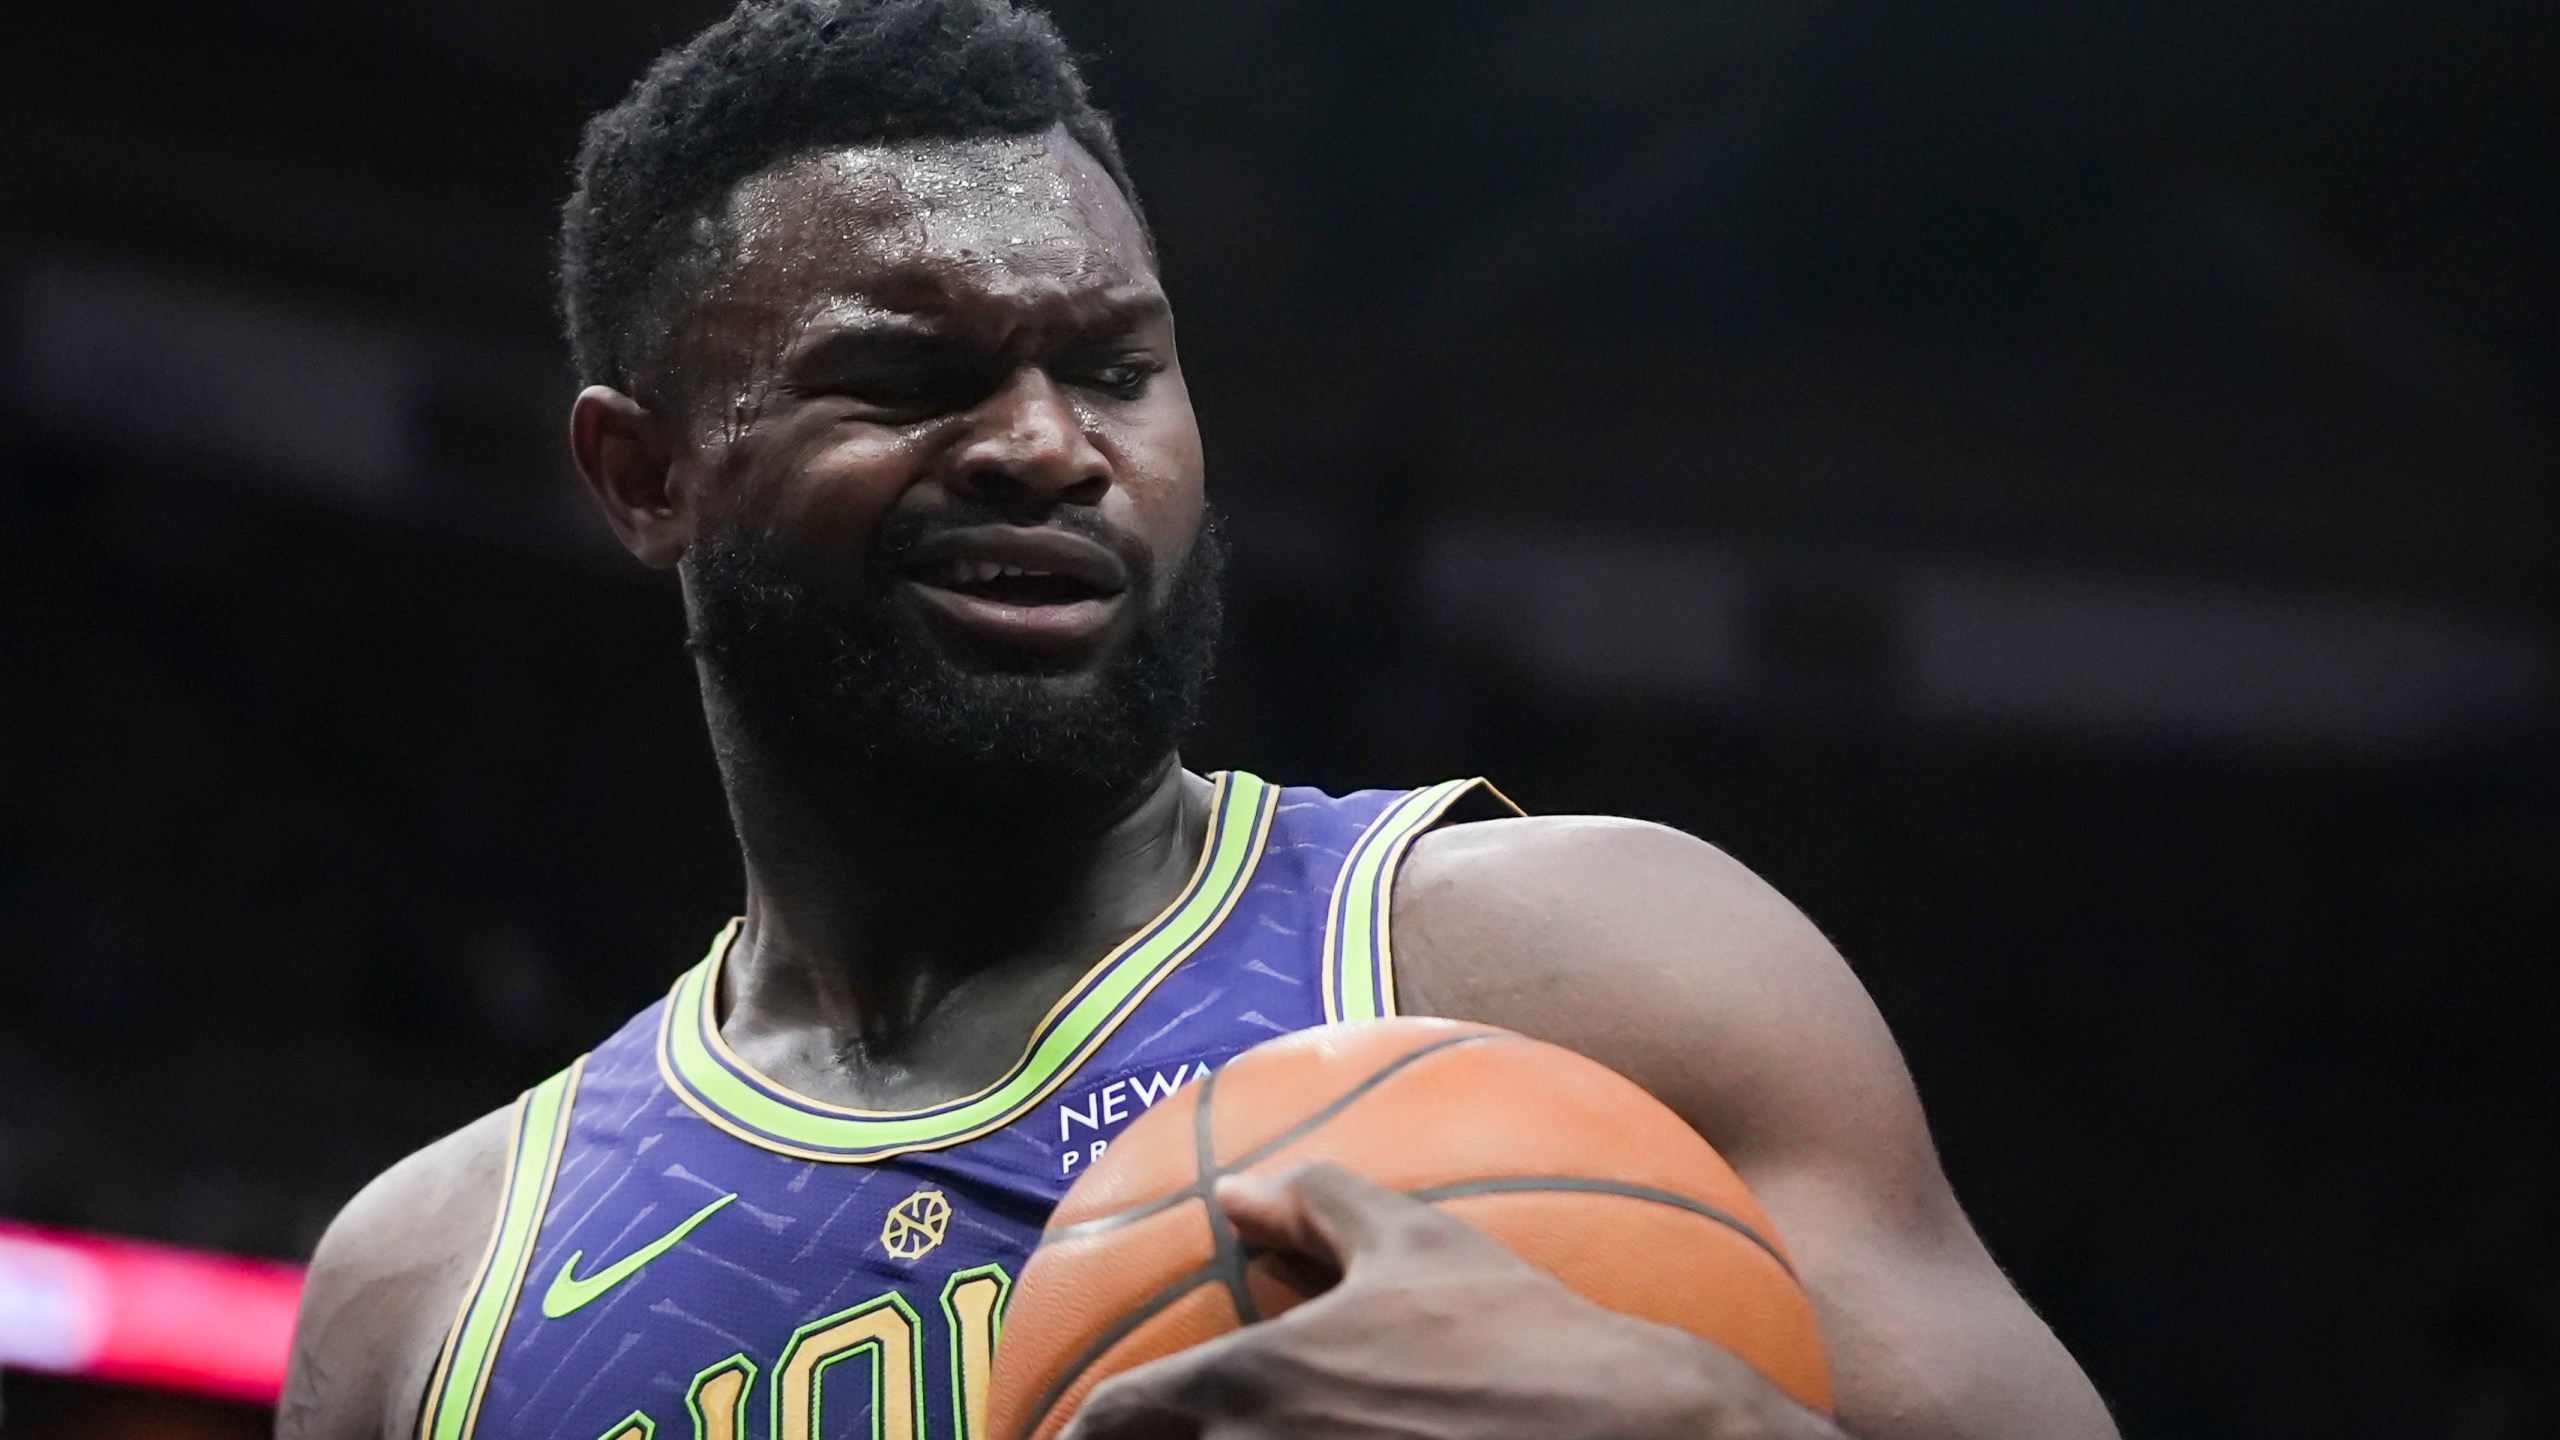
777, 79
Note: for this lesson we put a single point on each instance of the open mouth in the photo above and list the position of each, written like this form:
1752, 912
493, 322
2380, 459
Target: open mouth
1021, 587
1005, 584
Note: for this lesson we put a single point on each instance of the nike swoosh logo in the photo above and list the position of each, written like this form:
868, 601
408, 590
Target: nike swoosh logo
570, 1292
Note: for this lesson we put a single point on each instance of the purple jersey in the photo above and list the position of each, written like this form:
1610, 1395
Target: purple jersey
685, 1248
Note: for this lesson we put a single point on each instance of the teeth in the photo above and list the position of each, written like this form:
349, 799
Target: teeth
978, 572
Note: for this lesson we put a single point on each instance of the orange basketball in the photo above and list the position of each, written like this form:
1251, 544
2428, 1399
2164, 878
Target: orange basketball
1566, 1162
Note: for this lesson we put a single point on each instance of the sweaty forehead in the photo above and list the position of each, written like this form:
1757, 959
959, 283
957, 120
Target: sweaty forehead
918, 225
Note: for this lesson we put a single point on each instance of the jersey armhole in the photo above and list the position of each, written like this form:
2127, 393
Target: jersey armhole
451, 1405
1359, 951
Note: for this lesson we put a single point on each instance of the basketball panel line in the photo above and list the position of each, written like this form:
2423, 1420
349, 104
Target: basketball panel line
1585, 1185
1120, 1330
1228, 1254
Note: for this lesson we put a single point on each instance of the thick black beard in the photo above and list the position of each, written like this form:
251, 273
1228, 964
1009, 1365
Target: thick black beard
857, 706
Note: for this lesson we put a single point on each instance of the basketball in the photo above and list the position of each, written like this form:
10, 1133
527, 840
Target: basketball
1565, 1162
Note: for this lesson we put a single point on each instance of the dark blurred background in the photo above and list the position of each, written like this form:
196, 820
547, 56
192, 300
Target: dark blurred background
2065, 490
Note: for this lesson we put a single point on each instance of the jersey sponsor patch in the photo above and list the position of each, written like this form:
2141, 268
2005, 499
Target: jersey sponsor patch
1086, 1123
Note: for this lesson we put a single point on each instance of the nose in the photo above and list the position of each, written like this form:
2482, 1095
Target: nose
1027, 446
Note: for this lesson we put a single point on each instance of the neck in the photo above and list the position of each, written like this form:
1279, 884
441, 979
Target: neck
863, 923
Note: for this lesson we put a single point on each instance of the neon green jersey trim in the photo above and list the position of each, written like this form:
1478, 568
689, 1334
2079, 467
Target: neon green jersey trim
462, 1373
729, 1093
1359, 973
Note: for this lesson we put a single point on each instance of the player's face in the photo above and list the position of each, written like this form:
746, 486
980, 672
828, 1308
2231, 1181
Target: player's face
923, 453
946, 371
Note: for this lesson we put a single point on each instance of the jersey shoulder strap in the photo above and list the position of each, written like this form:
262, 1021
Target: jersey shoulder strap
1359, 944
540, 1132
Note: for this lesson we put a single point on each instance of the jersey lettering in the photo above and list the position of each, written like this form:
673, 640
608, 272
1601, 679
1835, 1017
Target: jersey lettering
717, 1399
885, 1334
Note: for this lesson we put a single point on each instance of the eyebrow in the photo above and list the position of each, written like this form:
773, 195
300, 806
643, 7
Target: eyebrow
869, 322
863, 325
867, 335
1137, 306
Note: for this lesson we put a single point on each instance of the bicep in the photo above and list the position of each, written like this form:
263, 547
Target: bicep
332, 1384
1696, 980
384, 1286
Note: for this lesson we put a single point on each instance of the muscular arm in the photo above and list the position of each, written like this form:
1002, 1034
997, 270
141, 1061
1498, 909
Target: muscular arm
384, 1287
1665, 959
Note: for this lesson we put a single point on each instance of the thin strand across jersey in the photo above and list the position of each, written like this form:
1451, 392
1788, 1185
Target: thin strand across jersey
686, 1248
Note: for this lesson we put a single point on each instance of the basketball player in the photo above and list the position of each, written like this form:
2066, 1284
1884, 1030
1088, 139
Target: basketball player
879, 364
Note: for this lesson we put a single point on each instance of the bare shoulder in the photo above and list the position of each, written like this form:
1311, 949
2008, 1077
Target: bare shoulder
385, 1284
1644, 947
1578, 871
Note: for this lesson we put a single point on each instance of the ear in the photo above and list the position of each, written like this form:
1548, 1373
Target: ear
624, 453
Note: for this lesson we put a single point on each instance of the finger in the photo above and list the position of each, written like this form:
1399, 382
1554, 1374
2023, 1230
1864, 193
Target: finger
1326, 1213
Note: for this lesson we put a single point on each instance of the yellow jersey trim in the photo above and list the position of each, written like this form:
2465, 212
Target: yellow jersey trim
721, 1087
1359, 940
540, 1131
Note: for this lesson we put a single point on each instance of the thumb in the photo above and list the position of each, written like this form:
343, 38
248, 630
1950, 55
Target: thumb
1322, 1212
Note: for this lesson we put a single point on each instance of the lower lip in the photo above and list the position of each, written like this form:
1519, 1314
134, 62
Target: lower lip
1072, 625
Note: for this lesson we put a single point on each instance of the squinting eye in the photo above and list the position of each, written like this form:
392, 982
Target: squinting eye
1125, 379
911, 394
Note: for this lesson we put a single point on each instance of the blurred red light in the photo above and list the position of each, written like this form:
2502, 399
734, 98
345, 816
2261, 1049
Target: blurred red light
140, 1314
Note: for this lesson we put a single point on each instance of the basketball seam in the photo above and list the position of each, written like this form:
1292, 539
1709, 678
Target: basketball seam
1128, 1324
1209, 1174
1229, 1256
1533, 1184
